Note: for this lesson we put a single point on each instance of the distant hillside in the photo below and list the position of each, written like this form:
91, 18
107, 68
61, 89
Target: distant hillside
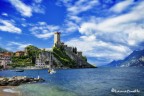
114, 63
136, 58
3, 50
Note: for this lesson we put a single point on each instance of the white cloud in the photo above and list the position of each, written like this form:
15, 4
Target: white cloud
99, 49
70, 26
42, 23
136, 35
81, 6
88, 28
14, 46
24, 9
43, 30
8, 26
44, 35
89, 38
123, 27
24, 25
134, 15
38, 1
4, 14
112, 37
37, 7
121, 6
75, 18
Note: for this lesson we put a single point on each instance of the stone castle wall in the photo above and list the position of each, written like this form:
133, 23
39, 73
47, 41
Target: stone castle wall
44, 59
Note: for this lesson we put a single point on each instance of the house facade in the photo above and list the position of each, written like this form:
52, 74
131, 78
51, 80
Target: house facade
5, 59
19, 53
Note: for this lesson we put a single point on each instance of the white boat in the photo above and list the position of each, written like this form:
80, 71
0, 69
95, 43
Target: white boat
51, 71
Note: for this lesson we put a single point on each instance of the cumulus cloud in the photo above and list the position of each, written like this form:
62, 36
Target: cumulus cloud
43, 30
8, 26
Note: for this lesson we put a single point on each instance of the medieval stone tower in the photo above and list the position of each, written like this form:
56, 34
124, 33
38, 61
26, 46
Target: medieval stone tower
57, 38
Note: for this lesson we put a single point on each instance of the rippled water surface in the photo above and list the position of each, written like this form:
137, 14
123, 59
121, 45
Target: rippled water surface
83, 82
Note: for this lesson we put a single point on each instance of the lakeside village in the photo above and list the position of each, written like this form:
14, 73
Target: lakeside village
60, 56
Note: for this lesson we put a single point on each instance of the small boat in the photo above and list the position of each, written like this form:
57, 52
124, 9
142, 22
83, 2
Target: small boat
51, 71
19, 70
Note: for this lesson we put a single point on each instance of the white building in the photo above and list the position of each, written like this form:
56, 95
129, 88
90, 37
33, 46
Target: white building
5, 59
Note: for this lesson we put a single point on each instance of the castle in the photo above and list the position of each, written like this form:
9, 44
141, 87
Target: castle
58, 43
47, 58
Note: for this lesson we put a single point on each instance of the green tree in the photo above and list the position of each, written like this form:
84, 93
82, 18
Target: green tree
32, 52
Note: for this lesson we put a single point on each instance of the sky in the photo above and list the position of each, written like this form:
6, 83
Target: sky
104, 30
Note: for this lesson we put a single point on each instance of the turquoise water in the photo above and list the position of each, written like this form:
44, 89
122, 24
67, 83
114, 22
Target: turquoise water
83, 82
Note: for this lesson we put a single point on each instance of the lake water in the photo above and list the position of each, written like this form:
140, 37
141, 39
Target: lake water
83, 82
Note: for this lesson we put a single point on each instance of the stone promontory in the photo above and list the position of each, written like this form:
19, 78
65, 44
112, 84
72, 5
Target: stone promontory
17, 80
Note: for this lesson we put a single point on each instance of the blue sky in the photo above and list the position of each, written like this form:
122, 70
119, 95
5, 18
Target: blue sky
104, 30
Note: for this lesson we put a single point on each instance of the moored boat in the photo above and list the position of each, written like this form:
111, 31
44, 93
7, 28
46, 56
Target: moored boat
51, 71
19, 70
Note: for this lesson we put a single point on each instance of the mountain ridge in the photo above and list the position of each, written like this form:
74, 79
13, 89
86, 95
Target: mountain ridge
136, 58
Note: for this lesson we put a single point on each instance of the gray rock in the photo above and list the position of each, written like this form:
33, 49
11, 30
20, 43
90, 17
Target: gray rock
17, 80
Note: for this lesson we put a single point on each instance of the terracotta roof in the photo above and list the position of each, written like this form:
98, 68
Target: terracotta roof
6, 54
19, 52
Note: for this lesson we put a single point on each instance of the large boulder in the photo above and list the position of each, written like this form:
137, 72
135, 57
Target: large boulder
17, 80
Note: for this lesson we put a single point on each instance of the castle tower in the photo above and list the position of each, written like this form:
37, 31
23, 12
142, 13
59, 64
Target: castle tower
57, 38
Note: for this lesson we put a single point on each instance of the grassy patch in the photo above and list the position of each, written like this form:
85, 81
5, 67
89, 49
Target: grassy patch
61, 55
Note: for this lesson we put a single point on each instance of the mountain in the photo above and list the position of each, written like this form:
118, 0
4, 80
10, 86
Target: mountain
136, 58
114, 63
3, 50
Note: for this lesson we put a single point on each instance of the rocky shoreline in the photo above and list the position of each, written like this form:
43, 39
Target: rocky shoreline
18, 80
